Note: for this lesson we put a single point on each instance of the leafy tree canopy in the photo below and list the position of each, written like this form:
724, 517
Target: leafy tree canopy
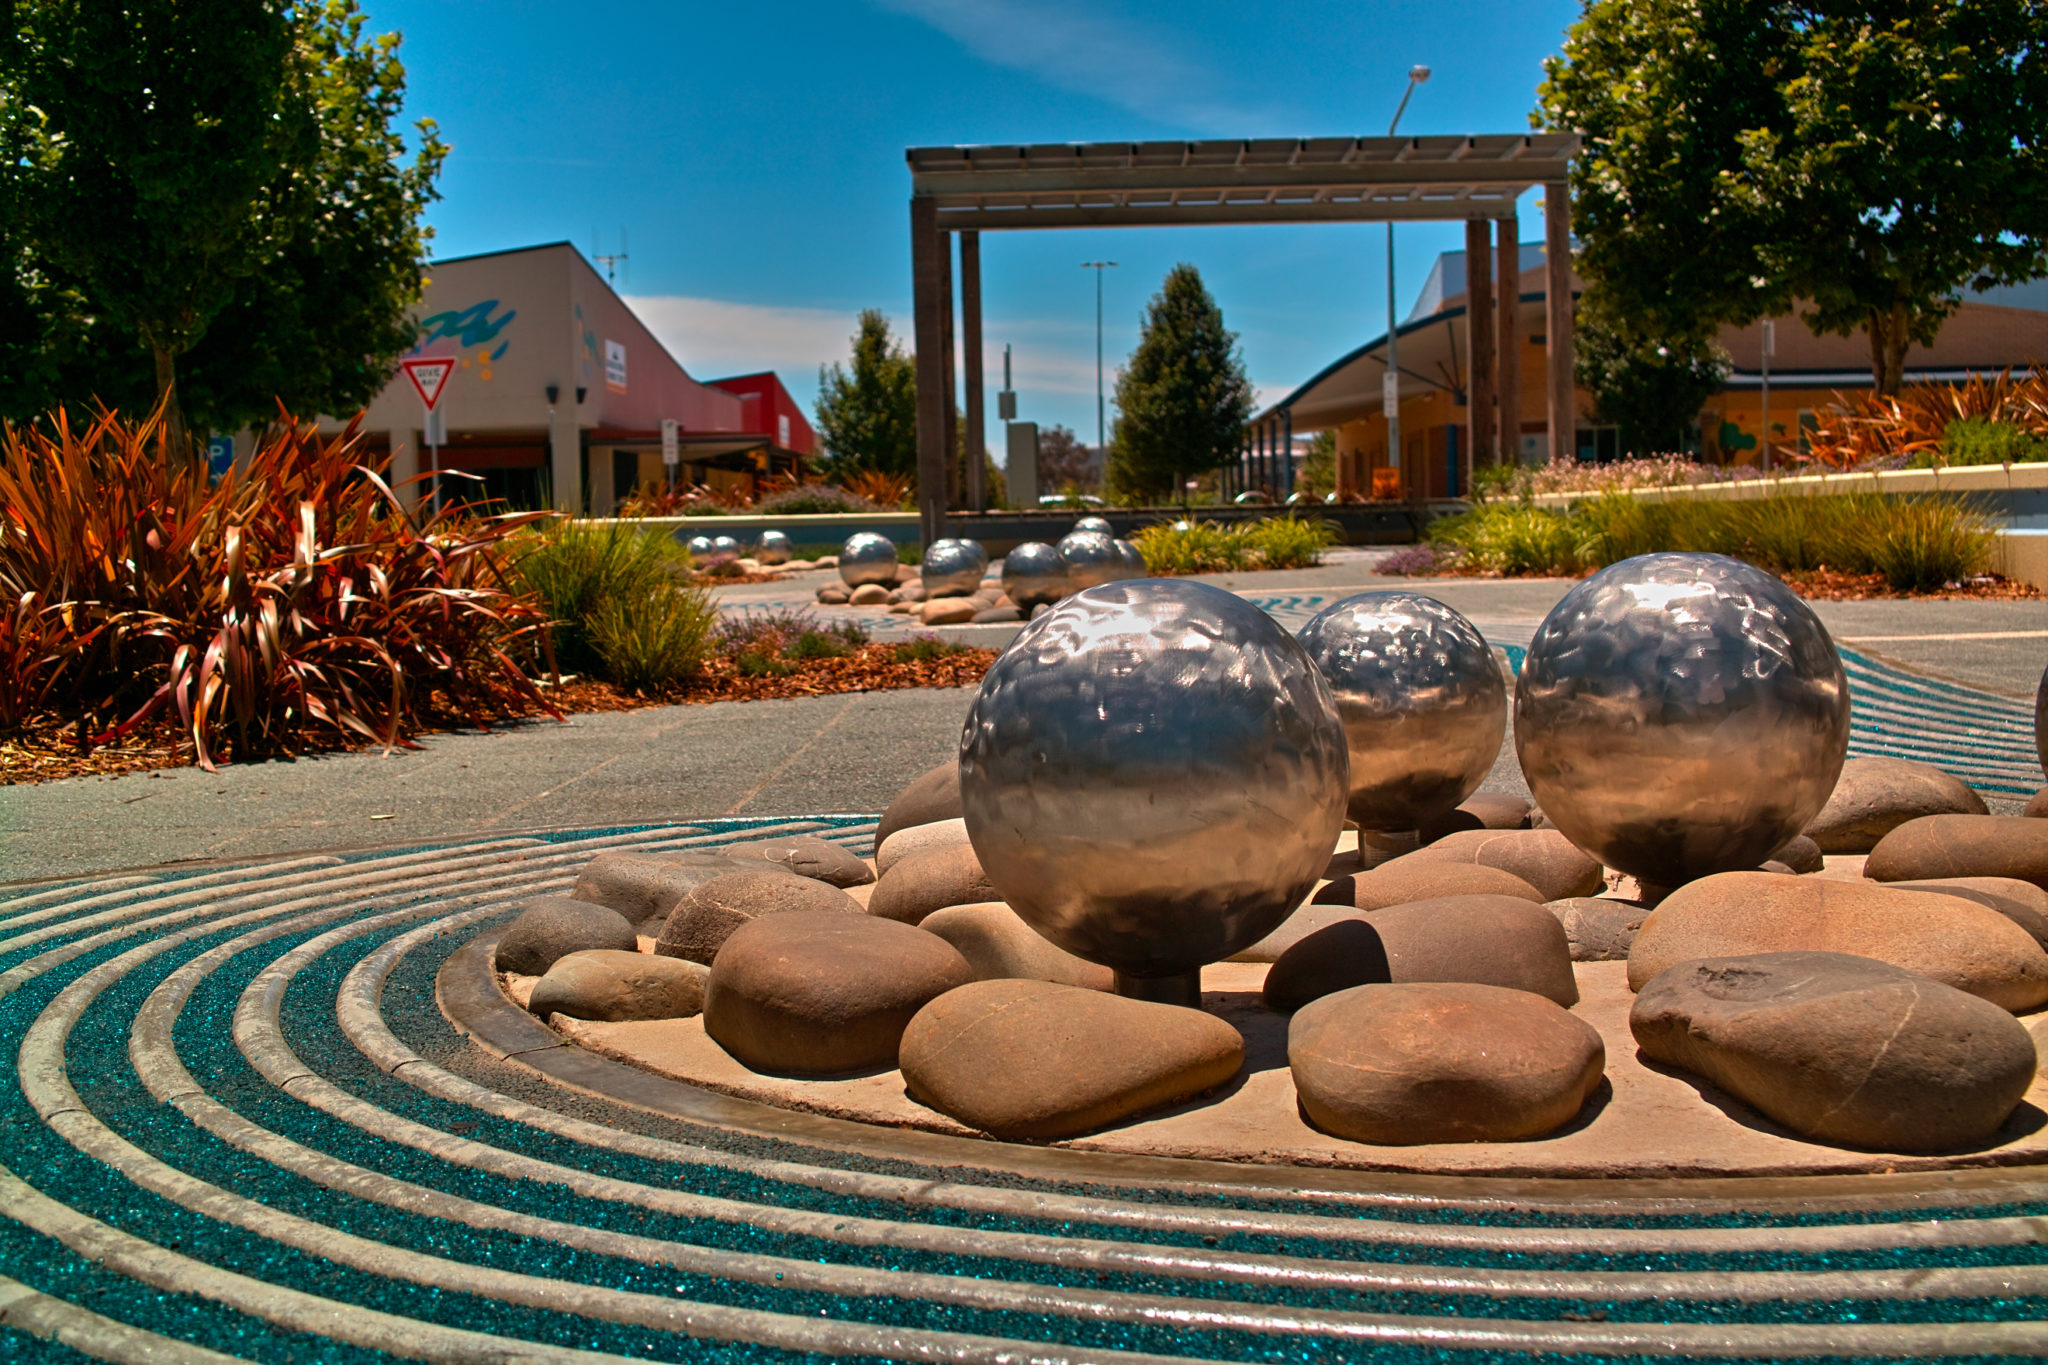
1182, 399
1651, 387
1864, 163
867, 413
1063, 461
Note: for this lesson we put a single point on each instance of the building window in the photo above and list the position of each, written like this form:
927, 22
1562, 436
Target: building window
1598, 445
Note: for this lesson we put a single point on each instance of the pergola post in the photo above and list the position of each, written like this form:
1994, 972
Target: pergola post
1507, 357
970, 354
952, 380
1287, 445
1557, 298
1479, 343
929, 308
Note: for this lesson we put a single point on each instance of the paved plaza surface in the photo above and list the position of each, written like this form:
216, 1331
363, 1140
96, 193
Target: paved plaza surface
848, 753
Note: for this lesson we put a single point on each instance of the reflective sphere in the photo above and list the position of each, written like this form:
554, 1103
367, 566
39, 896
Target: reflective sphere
1095, 524
1034, 573
1681, 714
774, 548
2041, 722
953, 568
1423, 703
724, 545
1091, 559
698, 546
1153, 775
1131, 560
867, 558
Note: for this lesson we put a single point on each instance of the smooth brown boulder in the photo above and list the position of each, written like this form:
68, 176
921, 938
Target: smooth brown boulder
1800, 855
2037, 805
645, 886
1543, 858
1841, 1049
1486, 940
834, 594
949, 611
999, 945
1962, 846
1481, 810
1597, 928
817, 994
1874, 796
1030, 1059
616, 986
915, 886
869, 595
710, 914
807, 856
549, 928
1947, 938
1394, 883
932, 795
2024, 903
1404, 1064
998, 615
920, 839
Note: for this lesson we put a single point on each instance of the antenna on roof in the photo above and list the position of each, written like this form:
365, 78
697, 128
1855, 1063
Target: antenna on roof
611, 262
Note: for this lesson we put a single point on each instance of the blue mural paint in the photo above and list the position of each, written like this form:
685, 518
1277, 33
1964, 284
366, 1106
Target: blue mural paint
471, 326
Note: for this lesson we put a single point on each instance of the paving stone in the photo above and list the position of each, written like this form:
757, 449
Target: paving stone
1947, 938
1399, 1065
1599, 929
999, 945
2024, 903
1486, 940
1840, 1048
705, 918
1036, 1060
924, 838
1962, 846
1874, 796
615, 986
1543, 858
812, 993
915, 886
807, 856
644, 887
933, 795
549, 928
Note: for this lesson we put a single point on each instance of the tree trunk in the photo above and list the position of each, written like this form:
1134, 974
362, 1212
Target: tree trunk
167, 401
1889, 339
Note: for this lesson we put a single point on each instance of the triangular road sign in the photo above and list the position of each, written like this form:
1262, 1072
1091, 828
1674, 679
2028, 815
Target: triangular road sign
429, 375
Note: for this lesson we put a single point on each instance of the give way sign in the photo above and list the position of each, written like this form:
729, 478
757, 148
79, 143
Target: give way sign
429, 375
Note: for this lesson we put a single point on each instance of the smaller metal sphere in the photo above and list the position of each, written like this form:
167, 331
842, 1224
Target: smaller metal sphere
953, 568
1034, 575
698, 546
1423, 702
1249, 497
2041, 722
725, 545
1091, 560
867, 558
774, 548
1094, 524
1131, 560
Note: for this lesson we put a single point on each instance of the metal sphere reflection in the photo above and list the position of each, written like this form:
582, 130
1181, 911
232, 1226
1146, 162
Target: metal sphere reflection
1423, 703
1681, 714
1131, 560
953, 568
1153, 775
774, 548
1095, 524
1034, 573
2041, 722
867, 558
698, 546
1091, 560
724, 545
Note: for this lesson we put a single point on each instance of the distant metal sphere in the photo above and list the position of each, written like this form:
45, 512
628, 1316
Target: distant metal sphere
1034, 575
1423, 702
1681, 714
1131, 560
725, 545
953, 568
774, 548
698, 546
1153, 775
1091, 559
1094, 524
867, 558
2041, 722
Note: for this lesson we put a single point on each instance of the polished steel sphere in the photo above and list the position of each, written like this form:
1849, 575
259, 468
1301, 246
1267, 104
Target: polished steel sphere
867, 558
1095, 524
1091, 559
1153, 775
2041, 722
953, 568
1681, 714
774, 548
698, 546
1131, 560
1423, 702
725, 545
1034, 573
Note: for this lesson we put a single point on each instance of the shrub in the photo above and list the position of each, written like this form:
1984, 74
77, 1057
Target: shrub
925, 648
1513, 539
813, 499
1192, 547
652, 644
575, 568
818, 644
1416, 560
1981, 440
1290, 542
1926, 544
1916, 425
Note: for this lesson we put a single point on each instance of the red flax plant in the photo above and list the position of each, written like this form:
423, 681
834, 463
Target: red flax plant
1874, 430
293, 604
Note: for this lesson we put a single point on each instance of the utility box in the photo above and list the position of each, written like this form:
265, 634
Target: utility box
1020, 463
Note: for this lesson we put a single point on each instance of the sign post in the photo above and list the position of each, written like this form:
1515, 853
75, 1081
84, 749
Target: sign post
429, 376
671, 449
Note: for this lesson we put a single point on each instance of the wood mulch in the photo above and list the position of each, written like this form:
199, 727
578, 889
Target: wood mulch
1825, 585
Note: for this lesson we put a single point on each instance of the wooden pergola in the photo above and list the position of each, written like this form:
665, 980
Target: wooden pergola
969, 190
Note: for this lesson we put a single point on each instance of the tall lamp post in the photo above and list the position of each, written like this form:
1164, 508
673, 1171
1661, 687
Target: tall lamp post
1098, 267
1390, 387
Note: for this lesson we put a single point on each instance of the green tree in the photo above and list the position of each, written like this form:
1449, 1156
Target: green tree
1318, 476
867, 415
1182, 399
1652, 388
1862, 163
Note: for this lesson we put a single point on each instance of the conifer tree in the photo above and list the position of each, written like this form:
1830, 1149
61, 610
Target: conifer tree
867, 414
1182, 399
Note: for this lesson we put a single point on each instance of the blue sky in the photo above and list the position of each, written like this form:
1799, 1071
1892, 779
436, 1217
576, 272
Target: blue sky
753, 156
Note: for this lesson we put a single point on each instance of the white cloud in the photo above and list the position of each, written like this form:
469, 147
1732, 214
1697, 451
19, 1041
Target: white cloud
713, 337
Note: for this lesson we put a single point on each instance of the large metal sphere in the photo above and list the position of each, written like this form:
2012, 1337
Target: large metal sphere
1422, 699
725, 545
2041, 722
698, 546
1034, 573
774, 548
1091, 560
1681, 714
1153, 775
1095, 524
1131, 560
953, 568
867, 558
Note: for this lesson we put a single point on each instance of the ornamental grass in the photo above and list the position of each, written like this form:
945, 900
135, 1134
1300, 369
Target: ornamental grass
1981, 420
1196, 547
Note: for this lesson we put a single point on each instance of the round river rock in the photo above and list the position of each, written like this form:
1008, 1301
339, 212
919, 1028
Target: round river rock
616, 986
550, 928
1487, 940
932, 796
709, 915
1543, 858
807, 856
950, 833
999, 945
645, 886
1874, 796
915, 886
1962, 846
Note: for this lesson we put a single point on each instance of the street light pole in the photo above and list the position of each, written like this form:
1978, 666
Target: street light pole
1390, 387
1098, 267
